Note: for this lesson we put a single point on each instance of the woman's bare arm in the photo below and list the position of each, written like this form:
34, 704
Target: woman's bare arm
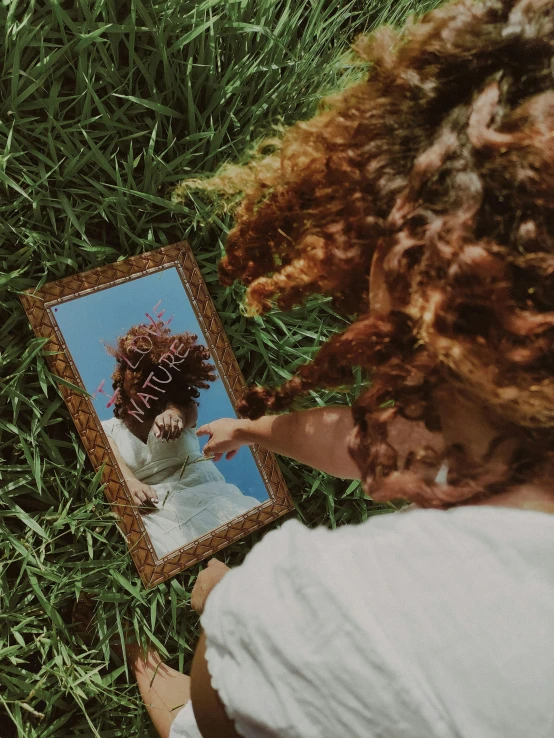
141, 494
317, 437
127, 473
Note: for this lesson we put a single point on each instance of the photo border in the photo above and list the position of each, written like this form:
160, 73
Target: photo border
38, 304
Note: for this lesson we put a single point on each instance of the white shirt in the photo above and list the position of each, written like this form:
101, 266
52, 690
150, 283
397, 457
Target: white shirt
420, 624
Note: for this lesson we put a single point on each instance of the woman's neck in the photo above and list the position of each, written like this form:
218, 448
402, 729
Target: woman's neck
139, 428
469, 425
530, 496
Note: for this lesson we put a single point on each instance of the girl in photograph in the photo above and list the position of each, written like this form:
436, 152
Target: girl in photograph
182, 494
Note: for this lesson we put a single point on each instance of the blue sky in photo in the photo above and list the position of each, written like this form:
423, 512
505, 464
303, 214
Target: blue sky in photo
86, 322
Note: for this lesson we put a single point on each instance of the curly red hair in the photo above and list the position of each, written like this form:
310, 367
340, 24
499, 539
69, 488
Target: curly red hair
442, 160
188, 376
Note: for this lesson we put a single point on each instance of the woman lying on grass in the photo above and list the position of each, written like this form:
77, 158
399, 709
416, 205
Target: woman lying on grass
181, 494
435, 176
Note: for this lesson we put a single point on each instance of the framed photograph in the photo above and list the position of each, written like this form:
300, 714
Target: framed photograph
143, 342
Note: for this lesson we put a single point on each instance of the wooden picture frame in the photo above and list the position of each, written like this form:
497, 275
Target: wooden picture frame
40, 306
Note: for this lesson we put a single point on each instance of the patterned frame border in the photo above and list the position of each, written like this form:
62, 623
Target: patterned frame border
38, 304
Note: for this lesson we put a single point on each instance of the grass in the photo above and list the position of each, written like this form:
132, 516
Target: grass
105, 107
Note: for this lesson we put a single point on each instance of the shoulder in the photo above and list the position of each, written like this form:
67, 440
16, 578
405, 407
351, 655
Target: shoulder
110, 426
357, 569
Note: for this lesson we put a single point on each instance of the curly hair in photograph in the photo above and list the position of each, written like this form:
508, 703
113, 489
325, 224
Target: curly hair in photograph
154, 349
441, 161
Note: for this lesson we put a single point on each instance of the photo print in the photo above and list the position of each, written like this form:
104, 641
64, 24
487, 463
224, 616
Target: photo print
143, 340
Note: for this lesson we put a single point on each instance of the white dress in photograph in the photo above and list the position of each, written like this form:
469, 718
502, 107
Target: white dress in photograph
190, 502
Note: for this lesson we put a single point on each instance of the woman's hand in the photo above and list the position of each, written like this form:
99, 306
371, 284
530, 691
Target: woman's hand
205, 582
226, 437
141, 494
168, 425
